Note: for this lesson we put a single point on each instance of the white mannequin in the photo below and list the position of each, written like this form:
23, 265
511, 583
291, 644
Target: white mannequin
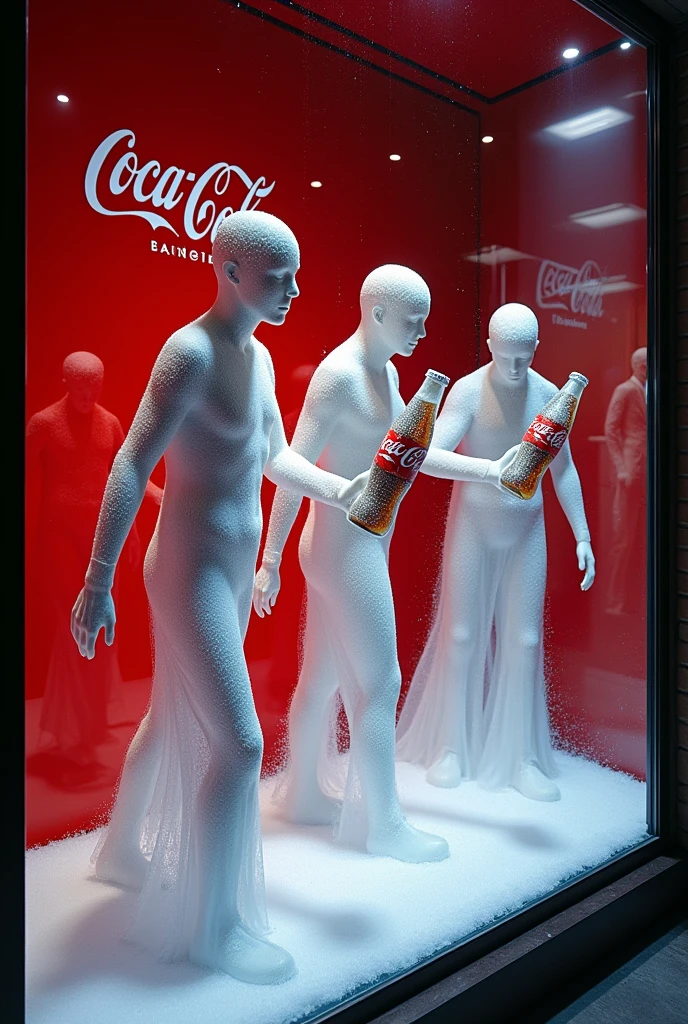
189, 789
493, 578
350, 639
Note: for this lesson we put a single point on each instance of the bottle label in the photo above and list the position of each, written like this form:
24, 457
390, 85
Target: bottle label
546, 434
400, 455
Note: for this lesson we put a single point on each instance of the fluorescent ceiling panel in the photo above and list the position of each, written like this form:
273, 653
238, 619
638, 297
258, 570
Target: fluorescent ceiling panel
608, 216
587, 124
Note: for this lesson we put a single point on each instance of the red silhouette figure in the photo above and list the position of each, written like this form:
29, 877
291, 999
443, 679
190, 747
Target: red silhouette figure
70, 448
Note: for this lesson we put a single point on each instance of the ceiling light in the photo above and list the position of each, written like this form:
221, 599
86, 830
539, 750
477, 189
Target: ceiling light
608, 216
316, 184
394, 156
625, 45
62, 98
587, 124
570, 53
487, 138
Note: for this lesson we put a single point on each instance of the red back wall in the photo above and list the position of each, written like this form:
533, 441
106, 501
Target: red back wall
207, 85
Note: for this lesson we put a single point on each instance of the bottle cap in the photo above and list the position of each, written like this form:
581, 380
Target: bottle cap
579, 376
441, 378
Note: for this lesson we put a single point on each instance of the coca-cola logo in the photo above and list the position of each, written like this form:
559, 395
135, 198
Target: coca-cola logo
115, 170
562, 287
400, 455
546, 434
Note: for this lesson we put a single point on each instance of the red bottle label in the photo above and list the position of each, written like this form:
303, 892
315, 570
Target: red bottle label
546, 435
400, 455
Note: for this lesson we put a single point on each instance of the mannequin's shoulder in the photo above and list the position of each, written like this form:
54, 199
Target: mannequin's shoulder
43, 420
336, 375
541, 385
186, 356
468, 387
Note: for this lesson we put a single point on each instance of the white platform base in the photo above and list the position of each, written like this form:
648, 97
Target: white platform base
346, 918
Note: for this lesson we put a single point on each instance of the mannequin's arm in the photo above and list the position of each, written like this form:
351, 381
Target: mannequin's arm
613, 431
443, 461
568, 489
166, 400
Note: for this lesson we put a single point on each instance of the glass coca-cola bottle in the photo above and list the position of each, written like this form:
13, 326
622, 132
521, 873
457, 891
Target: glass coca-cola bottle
399, 458
544, 438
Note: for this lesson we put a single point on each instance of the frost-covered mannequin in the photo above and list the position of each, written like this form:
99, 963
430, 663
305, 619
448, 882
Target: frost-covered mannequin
489, 622
350, 638
189, 790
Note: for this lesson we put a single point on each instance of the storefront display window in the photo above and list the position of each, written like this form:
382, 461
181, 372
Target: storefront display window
461, 190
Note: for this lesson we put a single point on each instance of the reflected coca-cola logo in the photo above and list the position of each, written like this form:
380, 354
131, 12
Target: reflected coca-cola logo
115, 170
562, 287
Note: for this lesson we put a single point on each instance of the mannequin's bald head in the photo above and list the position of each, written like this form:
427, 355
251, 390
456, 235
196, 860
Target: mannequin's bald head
639, 364
513, 338
83, 373
255, 258
395, 302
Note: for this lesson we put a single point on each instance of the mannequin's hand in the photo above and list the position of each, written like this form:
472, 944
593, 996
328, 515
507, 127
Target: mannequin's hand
622, 478
586, 561
352, 489
265, 589
94, 610
496, 468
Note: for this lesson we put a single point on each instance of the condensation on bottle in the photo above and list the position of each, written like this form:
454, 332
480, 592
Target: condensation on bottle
399, 458
544, 439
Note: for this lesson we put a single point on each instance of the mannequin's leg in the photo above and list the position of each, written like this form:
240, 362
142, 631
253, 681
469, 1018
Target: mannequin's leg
365, 650
120, 859
305, 803
469, 597
227, 811
517, 738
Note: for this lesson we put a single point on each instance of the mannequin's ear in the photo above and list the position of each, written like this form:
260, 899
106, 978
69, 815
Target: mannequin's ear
537, 342
489, 344
230, 270
378, 314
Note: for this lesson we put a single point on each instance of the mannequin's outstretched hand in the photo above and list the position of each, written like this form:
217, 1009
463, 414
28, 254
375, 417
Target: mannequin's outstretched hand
94, 610
586, 561
496, 468
352, 489
266, 587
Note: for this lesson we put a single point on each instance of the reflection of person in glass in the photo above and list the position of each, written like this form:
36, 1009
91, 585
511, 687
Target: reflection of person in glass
350, 635
189, 789
489, 623
70, 448
625, 430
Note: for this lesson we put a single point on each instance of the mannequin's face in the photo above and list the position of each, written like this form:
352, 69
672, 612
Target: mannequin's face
511, 361
83, 393
401, 325
266, 290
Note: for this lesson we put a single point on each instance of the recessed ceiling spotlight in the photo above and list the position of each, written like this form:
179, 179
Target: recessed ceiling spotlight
625, 45
62, 98
487, 138
394, 156
316, 184
570, 53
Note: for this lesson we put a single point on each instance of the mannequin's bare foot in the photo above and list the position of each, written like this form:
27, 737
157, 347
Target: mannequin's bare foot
531, 782
123, 867
404, 842
446, 772
245, 957
311, 808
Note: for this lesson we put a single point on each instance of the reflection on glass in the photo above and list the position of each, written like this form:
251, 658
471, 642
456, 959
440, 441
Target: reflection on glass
70, 448
625, 430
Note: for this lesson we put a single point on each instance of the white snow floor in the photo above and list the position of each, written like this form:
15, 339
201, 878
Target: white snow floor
347, 918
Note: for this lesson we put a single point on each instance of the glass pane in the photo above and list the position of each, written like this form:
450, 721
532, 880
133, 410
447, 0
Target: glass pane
458, 144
